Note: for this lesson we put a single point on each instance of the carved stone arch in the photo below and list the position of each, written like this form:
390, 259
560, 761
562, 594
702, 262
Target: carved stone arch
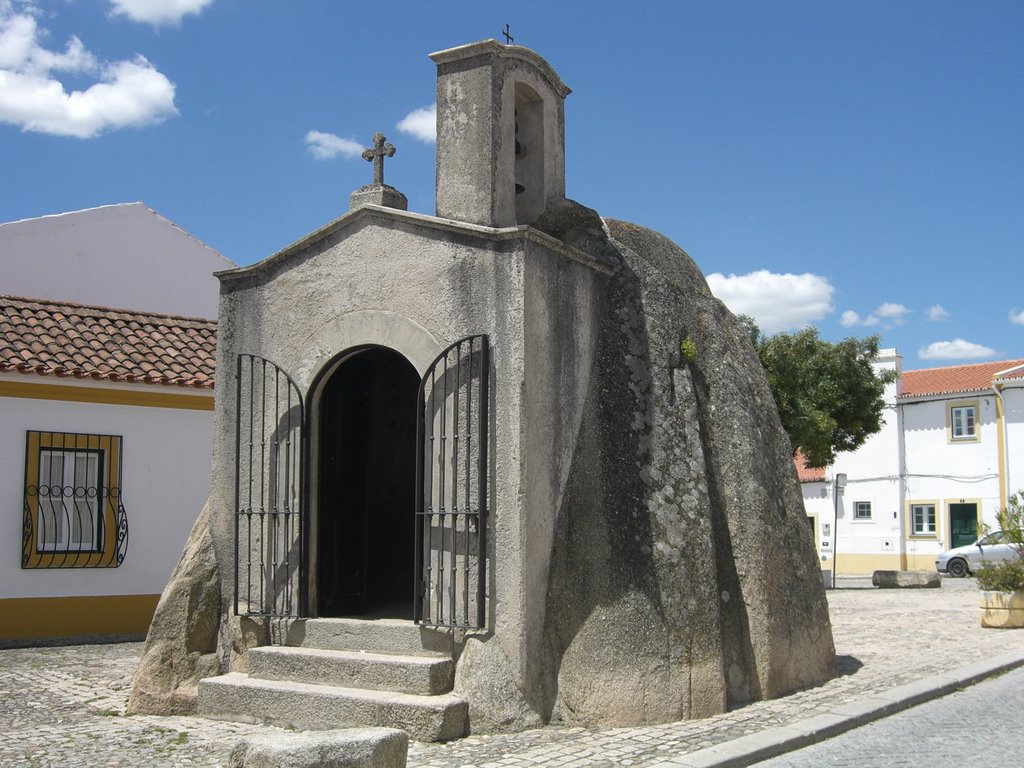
332, 353
376, 327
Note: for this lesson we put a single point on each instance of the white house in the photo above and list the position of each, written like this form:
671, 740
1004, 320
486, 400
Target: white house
107, 416
942, 465
124, 256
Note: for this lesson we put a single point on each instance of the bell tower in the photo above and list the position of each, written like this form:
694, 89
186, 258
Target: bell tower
500, 134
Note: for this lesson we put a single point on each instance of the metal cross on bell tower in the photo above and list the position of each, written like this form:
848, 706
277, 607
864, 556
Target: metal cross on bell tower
508, 37
377, 154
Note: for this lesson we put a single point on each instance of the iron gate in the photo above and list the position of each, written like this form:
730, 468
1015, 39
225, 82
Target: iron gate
270, 479
451, 487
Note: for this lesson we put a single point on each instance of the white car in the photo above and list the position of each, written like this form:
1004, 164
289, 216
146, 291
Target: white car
963, 561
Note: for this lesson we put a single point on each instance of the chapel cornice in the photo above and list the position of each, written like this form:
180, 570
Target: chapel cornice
429, 225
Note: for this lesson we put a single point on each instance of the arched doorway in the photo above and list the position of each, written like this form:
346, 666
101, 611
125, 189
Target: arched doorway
365, 487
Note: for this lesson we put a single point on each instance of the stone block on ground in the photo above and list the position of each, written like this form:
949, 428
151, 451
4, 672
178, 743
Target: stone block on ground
344, 748
906, 579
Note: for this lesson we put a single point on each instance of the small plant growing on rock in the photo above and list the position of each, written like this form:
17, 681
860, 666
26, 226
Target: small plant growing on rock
688, 351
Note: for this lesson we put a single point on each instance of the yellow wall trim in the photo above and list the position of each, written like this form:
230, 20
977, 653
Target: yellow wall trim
25, 618
1001, 450
856, 564
73, 394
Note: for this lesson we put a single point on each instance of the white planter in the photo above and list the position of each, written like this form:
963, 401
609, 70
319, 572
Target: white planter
1003, 610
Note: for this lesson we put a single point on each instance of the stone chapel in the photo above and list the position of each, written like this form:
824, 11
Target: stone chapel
502, 466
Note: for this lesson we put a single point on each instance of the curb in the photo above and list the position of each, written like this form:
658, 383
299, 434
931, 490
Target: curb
755, 747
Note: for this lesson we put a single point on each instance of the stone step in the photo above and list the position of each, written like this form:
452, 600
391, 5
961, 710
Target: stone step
426, 675
374, 635
303, 706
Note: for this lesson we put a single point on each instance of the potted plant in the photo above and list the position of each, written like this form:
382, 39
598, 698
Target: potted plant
1002, 583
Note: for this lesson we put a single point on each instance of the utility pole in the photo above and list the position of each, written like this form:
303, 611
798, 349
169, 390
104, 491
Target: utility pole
838, 486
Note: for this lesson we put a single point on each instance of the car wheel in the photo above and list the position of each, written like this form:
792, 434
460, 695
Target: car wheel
957, 568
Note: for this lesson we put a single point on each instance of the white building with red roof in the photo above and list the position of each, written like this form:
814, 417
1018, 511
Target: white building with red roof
106, 408
951, 451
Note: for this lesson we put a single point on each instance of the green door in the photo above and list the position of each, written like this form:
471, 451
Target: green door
963, 524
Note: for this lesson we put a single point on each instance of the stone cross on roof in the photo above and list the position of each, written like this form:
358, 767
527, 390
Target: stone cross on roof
377, 154
378, 193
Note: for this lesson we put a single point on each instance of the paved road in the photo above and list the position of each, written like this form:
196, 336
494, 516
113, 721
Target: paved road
981, 727
65, 706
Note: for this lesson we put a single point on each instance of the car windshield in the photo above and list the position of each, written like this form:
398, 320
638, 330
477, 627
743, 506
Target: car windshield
992, 538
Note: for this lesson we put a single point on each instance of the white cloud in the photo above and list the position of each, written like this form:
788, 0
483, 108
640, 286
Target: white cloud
849, 318
127, 93
894, 313
776, 302
421, 124
958, 349
938, 313
158, 12
1017, 317
20, 49
325, 146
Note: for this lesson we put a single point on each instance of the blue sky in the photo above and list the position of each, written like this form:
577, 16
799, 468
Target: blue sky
854, 166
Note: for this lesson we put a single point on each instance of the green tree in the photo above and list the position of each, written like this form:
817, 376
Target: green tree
829, 397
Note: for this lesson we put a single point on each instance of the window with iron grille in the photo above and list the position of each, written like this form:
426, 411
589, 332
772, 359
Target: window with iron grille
862, 510
73, 513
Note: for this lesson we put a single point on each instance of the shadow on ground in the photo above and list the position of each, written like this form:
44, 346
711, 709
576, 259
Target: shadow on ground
847, 665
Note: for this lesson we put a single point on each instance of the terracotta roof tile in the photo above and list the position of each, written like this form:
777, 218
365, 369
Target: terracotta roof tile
956, 378
53, 338
805, 473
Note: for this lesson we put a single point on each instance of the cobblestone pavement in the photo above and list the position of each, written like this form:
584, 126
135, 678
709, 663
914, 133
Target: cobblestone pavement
960, 729
65, 706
